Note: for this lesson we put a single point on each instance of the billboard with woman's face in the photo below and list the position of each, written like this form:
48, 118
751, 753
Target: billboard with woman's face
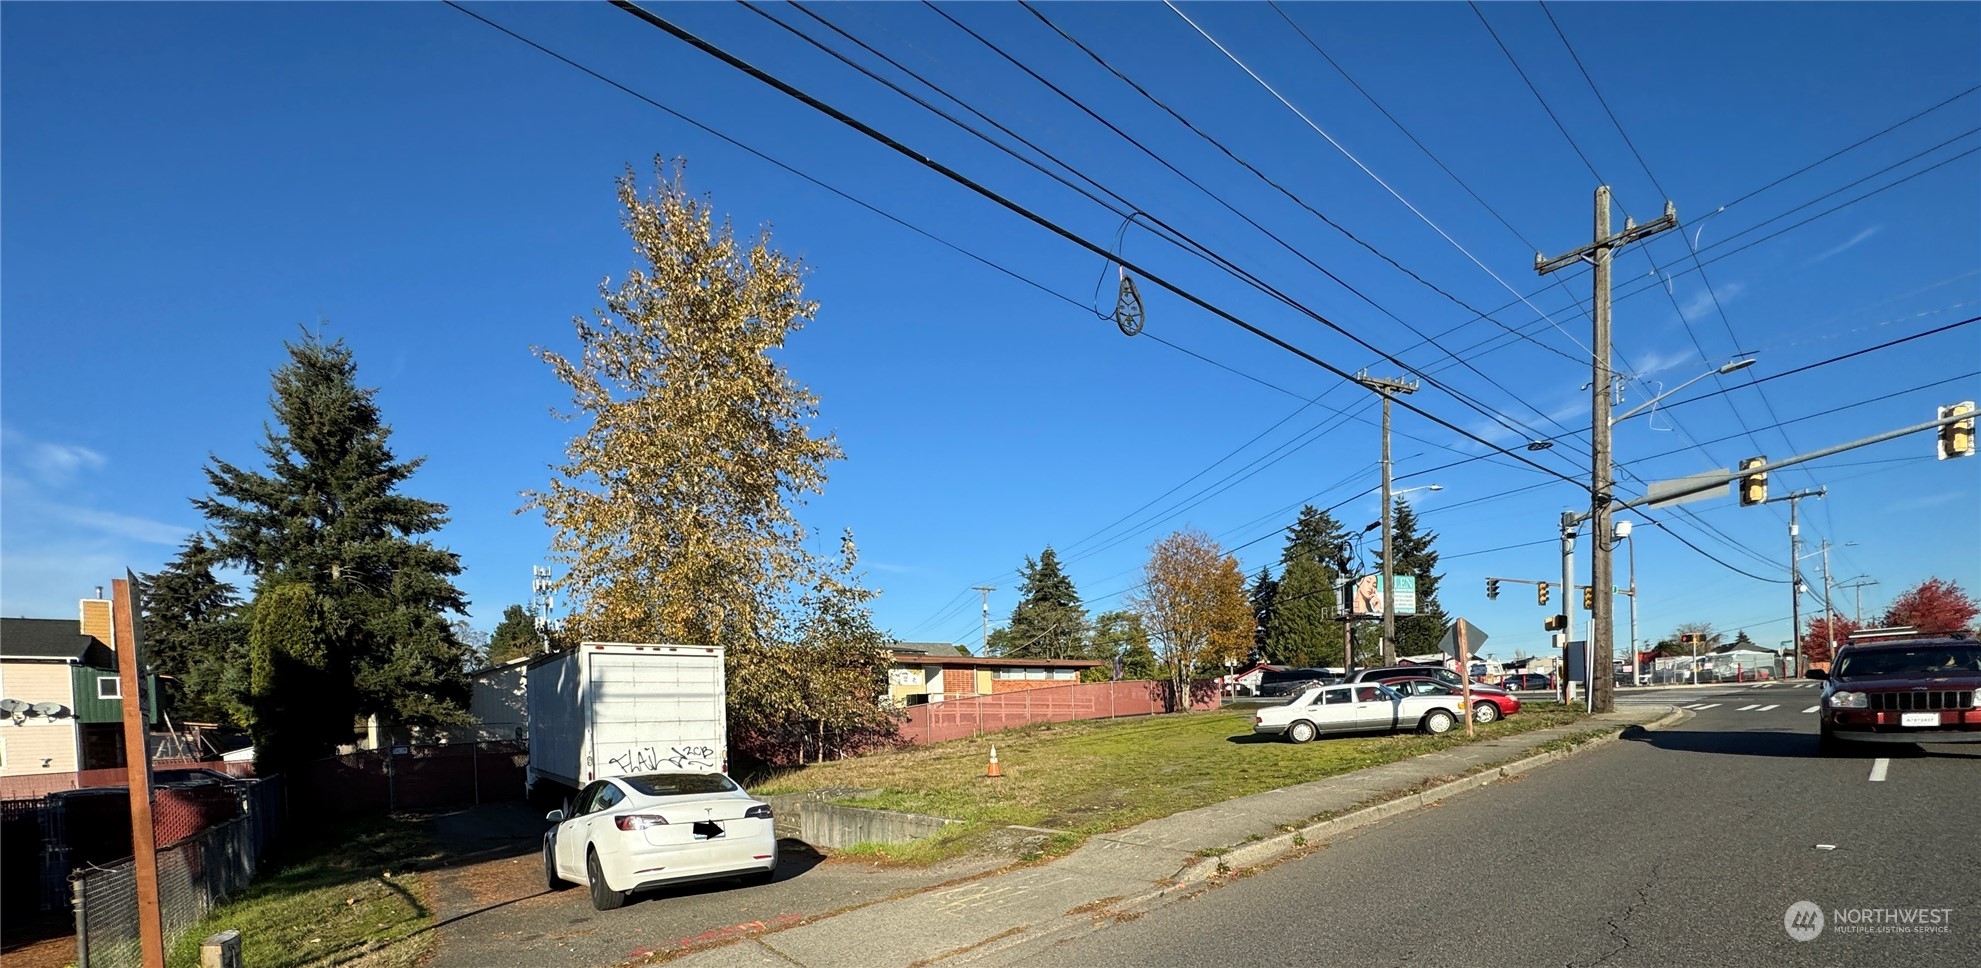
1363, 598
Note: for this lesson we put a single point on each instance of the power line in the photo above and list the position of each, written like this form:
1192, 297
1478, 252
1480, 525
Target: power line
1176, 234
1055, 228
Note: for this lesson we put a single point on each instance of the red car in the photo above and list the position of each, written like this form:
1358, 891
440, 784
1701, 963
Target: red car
1488, 703
1917, 690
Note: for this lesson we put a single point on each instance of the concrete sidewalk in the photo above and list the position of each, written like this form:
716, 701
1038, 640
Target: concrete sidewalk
1124, 874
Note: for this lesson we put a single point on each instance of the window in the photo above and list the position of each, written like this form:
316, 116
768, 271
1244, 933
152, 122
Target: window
680, 784
109, 687
1333, 697
1368, 694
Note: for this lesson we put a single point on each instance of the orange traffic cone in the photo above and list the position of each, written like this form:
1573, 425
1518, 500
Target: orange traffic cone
994, 770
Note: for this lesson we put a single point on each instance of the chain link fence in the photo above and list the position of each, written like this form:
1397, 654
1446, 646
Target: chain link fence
193, 875
198, 867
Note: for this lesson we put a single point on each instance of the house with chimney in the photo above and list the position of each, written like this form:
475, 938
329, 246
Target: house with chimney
61, 701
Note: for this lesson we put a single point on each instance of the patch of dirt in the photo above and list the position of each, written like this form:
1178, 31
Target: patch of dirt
49, 953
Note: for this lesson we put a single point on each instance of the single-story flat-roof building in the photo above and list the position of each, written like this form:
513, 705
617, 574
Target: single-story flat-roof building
934, 672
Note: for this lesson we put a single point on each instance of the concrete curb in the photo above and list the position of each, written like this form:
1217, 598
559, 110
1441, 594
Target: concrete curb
1271, 848
1197, 877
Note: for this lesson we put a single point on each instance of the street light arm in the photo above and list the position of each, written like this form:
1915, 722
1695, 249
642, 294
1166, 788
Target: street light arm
1648, 404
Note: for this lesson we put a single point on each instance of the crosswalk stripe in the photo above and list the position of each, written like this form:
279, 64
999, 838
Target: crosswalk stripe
1812, 709
1709, 705
1746, 708
1697, 705
1764, 709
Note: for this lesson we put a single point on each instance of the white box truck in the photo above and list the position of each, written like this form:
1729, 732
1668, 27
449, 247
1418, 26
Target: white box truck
621, 709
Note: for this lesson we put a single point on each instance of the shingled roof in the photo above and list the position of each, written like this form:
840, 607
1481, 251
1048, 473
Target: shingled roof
44, 638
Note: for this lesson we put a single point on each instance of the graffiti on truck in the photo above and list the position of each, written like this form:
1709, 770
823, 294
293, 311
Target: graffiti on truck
648, 759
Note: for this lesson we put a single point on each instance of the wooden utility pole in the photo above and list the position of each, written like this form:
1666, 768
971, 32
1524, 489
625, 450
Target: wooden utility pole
985, 590
1795, 576
127, 635
1387, 388
1602, 630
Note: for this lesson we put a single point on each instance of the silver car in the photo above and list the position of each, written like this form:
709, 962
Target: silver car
1362, 707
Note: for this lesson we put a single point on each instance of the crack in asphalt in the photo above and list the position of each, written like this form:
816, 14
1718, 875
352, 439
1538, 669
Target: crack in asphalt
1616, 924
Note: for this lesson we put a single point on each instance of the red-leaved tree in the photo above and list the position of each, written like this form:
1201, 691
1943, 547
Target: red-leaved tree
1822, 630
1934, 605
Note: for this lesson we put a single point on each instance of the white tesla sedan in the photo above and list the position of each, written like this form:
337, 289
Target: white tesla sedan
630, 833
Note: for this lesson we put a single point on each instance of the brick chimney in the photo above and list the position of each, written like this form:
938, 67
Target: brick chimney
96, 620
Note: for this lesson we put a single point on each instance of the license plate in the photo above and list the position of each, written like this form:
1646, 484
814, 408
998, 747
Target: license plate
707, 830
1919, 719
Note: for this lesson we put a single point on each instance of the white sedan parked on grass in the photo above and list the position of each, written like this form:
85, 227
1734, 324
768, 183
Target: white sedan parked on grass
630, 833
1357, 707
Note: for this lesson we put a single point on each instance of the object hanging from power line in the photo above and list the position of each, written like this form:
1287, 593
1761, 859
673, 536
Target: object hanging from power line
1128, 306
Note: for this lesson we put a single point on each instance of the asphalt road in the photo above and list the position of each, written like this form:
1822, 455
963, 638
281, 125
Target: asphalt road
1684, 846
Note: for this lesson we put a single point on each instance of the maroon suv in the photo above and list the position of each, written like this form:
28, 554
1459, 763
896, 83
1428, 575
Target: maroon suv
1920, 690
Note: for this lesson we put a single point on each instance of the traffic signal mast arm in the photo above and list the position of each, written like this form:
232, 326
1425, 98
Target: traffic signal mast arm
1950, 415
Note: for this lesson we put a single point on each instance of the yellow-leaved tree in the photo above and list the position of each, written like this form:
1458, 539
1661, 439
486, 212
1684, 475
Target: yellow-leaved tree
673, 511
1194, 606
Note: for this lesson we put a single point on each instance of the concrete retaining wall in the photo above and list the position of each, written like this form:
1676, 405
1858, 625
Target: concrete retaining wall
832, 826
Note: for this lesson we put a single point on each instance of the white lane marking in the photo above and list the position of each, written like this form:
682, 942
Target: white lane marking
1746, 708
1709, 705
1878, 770
1812, 709
1697, 705
1764, 709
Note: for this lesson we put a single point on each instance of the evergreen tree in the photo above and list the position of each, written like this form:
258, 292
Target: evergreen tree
325, 529
515, 636
1414, 554
1316, 535
196, 633
1264, 589
1120, 634
1741, 641
1304, 631
1048, 622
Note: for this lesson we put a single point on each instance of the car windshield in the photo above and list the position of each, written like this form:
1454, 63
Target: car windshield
1924, 660
679, 784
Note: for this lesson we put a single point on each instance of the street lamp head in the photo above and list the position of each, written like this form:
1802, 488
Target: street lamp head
1622, 529
1737, 365
1440, 487
1538, 445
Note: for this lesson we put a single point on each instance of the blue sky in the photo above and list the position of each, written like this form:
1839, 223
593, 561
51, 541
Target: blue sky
186, 186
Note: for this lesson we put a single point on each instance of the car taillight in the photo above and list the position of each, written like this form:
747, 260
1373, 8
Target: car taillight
639, 821
759, 812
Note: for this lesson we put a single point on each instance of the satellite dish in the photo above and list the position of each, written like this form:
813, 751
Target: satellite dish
49, 709
10, 707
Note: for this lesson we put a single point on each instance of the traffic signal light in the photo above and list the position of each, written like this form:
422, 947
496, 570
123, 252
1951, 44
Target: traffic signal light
1555, 622
1691, 638
1957, 438
1492, 588
1753, 487
1541, 593
1588, 599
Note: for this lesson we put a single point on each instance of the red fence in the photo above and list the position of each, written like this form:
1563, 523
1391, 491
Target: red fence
957, 718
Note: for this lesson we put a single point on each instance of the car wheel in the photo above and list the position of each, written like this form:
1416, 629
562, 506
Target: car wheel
550, 877
604, 898
1300, 732
1437, 722
1484, 712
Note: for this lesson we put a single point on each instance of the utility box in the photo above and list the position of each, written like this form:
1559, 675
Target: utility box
621, 709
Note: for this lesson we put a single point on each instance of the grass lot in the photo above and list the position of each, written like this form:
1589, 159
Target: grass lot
350, 898
1097, 776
